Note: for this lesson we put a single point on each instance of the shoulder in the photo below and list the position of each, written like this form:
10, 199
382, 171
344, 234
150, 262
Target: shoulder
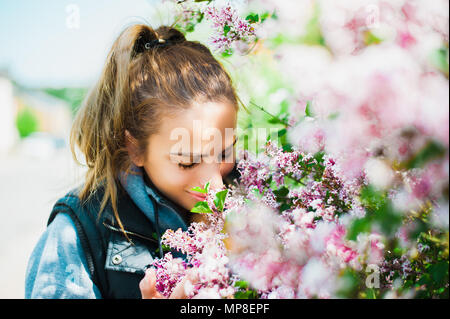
57, 267
59, 237
78, 207
74, 198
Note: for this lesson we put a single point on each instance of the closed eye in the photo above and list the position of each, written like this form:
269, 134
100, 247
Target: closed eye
187, 166
192, 165
225, 154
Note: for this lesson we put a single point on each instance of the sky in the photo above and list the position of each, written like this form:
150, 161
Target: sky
64, 43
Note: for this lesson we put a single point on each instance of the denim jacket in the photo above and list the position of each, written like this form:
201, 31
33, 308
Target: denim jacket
60, 265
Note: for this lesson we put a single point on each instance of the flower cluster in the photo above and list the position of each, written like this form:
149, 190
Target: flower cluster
397, 266
323, 190
204, 262
230, 31
229, 27
169, 272
359, 179
289, 243
188, 13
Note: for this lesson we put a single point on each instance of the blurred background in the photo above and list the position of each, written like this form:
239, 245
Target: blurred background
51, 52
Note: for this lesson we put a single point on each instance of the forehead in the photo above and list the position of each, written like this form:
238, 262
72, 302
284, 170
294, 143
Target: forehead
199, 125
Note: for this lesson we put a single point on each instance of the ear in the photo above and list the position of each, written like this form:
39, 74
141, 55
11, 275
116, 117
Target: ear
133, 149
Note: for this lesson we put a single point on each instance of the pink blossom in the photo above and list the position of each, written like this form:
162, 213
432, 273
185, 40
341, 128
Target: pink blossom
227, 17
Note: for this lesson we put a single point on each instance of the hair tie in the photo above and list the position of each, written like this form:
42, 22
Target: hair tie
154, 43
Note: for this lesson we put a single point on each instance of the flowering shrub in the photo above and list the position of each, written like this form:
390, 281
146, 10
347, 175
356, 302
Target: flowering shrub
350, 199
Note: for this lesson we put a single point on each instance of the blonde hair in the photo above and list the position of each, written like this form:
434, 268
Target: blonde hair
138, 85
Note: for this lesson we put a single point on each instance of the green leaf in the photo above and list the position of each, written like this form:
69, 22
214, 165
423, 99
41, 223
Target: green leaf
199, 189
313, 33
439, 272
202, 208
429, 152
200, 17
284, 106
398, 251
257, 193
419, 227
425, 279
439, 58
275, 120
274, 15
252, 18
371, 197
319, 156
380, 209
219, 201
282, 132
388, 218
226, 29
370, 293
282, 192
248, 294
227, 53
287, 147
362, 225
264, 16
370, 38
241, 284
308, 109
190, 27
349, 284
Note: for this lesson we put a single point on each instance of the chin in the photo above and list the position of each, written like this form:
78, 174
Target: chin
188, 204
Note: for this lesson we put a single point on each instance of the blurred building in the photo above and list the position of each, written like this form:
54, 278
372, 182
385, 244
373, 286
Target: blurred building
52, 114
8, 106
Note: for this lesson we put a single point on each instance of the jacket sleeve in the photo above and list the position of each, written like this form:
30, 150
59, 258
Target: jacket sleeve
57, 267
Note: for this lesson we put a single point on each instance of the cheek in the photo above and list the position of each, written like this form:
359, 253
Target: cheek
167, 176
176, 177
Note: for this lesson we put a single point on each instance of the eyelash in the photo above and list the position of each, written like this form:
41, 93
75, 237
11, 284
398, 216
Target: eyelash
187, 166
194, 164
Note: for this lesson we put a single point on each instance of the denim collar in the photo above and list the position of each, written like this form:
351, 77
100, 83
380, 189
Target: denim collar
140, 191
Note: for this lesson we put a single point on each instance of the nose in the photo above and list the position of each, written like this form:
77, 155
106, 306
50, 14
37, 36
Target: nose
214, 177
217, 181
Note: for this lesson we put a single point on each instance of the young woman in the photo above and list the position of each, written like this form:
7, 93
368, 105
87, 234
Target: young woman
101, 236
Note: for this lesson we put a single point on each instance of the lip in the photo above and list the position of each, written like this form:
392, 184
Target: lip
198, 196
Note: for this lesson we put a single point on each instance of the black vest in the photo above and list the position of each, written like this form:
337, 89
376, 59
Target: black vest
116, 266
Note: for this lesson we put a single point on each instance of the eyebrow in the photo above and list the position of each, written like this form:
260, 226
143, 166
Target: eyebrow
204, 155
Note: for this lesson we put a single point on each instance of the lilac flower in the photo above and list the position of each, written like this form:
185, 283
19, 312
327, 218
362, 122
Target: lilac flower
169, 272
228, 27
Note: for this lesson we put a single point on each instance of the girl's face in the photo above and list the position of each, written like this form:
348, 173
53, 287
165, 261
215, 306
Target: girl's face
193, 147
